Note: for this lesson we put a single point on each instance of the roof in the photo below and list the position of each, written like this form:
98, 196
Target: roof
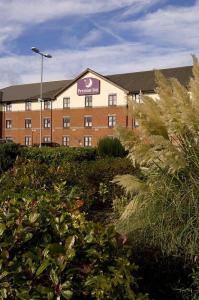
131, 82
145, 81
32, 91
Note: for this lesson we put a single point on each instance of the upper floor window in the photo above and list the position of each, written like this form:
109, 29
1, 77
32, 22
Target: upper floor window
8, 123
28, 140
8, 106
138, 97
66, 102
88, 101
111, 121
65, 141
87, 141
47, 105
28, 123
112, 99
87, 121
47, 122
66, 122
28, 105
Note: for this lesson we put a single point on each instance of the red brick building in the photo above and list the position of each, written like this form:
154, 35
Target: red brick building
76, 112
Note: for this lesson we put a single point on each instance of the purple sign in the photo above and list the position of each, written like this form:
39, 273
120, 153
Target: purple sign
88, 86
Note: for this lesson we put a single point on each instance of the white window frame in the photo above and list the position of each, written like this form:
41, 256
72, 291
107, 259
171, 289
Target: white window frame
46, 139
28, 140
88, 101
66, 140
9, 106
112, 99
28, 124
28, 105
47, 104
66, 122
111, 121
66, 102
87, 141
8, 124
88, 122
47, 122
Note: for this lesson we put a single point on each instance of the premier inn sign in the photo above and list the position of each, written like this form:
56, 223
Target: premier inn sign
88, 86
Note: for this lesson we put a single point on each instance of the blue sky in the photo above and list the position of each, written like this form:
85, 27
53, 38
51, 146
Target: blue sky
109, 36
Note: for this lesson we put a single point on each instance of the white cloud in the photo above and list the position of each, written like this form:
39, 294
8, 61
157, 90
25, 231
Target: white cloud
67, 64
177, 26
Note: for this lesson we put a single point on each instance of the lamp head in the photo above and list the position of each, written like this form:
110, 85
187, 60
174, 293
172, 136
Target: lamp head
48, 55
34, 49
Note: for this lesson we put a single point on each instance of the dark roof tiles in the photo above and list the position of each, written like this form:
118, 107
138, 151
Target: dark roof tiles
132, 82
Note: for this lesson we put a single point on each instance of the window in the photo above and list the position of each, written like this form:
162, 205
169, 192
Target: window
135, 123
112, 99
28, 140
111, 121
65, 141
88, 101
66, 122
47, 105
87, 141
28, 123
87, 121
9, 138
138, 97
47, 123
28, 105
8, 123
46, 139
8, 106
66, 102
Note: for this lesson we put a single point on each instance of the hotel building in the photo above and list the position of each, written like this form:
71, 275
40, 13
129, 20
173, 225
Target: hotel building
76, 112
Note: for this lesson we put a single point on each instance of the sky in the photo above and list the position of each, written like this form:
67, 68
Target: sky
108, 36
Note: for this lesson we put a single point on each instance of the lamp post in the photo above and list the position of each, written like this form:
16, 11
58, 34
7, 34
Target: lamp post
36, 50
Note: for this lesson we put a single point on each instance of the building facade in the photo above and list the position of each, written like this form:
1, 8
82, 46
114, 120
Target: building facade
76, 112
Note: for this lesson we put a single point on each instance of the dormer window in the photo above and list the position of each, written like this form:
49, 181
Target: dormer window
47, 105
9, 106
28, 105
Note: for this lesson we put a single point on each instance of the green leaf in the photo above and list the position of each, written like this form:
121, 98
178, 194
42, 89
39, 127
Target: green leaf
2, 228
4, 274
54, 277
33, 217
67, 294
70, 242
42, 267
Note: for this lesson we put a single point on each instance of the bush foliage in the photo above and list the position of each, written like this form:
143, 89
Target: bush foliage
56, 156
8, 154
49, 251
111, 147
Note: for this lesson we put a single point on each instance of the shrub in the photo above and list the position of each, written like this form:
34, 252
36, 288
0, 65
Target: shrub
164, 204
108, 146
8, 154
57, 156
49, 251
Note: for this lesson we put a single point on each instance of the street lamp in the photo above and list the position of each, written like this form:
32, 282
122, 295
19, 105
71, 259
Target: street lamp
36, 50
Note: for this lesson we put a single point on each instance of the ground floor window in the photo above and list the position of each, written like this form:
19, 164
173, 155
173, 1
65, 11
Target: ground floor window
9, 138
46, 139
28, 140
65, 141
87, 141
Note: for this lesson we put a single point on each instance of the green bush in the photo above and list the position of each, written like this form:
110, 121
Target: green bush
108, 146
91, 179
57, 156
8, 154
49, 251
